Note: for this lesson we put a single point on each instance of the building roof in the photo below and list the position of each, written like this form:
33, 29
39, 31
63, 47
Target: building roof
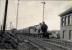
68, 11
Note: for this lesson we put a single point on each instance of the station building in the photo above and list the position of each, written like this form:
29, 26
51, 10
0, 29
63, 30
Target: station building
66, 24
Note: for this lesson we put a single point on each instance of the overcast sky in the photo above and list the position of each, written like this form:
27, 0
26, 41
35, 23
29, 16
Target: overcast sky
30, 13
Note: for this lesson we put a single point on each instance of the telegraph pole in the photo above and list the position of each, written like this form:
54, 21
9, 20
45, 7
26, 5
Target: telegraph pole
5, 16
43, 9
17, 14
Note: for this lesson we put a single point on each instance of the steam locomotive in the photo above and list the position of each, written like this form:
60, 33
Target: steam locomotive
34, 31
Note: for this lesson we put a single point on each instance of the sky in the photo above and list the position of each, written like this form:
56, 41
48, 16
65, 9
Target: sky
30, 13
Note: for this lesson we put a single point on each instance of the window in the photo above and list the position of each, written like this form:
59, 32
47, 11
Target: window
69, 20
65, 21
70, 33
63, 33
62, 21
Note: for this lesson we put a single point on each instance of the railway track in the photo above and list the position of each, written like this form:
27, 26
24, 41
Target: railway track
31, 43
49, 45
45, 44
60, 42
26, 46
39, 46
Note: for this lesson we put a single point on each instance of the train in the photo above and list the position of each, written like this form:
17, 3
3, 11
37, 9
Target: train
35, 32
